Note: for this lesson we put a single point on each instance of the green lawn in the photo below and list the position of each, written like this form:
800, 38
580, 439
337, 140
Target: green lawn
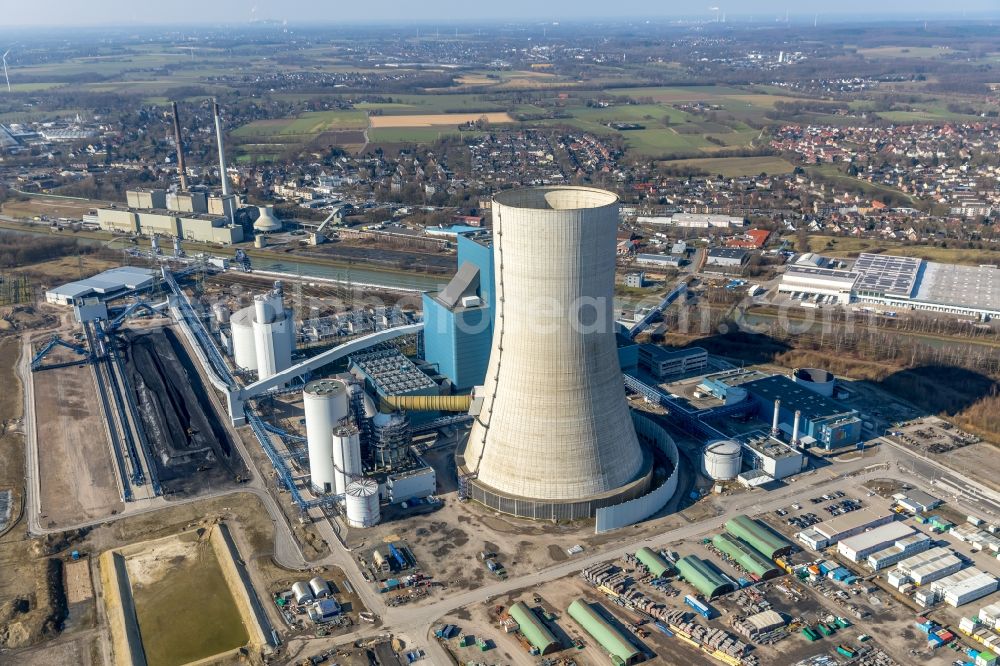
413, 134
732, 167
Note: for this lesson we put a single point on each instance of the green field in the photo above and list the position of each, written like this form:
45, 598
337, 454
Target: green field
906, 52
307, 124
414, 134
732, 167
846, 246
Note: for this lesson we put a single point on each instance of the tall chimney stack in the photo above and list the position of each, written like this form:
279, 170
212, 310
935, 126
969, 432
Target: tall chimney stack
222, 152
795, 429
774, 420
181, 170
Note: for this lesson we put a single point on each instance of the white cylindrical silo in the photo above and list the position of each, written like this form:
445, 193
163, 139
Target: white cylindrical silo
554, 436
263, 312
325, 404
244, 342
361, 503
722, 460
346, 456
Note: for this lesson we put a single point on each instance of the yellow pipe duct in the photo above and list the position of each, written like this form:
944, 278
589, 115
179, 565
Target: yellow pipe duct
427, 403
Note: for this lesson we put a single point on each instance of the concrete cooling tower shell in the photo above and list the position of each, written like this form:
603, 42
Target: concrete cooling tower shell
554, 438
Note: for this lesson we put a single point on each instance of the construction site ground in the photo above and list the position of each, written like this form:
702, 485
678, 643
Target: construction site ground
77, 472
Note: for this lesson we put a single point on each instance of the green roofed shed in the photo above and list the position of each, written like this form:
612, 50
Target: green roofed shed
534, 629
656, 564
760, 537
614, 642
745, 556
703, 576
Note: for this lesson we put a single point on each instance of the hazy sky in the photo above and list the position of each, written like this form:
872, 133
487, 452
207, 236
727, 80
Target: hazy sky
118, 12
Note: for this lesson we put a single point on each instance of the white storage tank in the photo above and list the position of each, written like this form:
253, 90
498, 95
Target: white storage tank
361, 503
244, 344
346, 456
722, 459
319, 587
302, 592
325, 405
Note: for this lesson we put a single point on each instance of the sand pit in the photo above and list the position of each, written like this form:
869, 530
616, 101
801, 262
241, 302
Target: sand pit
433, 119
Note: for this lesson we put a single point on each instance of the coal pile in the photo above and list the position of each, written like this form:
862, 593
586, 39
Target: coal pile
192, 449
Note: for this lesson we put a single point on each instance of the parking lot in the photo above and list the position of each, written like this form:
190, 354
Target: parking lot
834, 504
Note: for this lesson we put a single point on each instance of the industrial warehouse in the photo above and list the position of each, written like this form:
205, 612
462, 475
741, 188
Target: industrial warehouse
894, 282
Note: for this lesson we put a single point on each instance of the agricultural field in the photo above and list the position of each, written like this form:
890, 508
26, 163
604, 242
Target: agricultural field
849, 247
426, 134
906, 52
305, 125
433, 120
734, 167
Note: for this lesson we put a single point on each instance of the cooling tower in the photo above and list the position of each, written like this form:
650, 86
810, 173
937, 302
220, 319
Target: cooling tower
554, 438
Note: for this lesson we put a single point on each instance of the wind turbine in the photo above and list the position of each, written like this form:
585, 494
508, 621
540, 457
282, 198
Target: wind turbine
5, 69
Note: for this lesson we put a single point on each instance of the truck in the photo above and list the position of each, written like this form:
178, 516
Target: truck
699, 607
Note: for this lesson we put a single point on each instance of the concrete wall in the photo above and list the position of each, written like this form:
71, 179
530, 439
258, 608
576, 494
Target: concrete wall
126, 643
628, 513
116, 219
238, 579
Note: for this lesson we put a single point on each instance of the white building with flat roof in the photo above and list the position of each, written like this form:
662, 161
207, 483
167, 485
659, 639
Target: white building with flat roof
925, 567
855, 522
858, 547
917, 542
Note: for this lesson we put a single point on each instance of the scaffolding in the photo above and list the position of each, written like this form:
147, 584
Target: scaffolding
15, 289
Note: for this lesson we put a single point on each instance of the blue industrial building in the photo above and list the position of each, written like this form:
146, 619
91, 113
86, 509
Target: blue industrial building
458, 320
825, 421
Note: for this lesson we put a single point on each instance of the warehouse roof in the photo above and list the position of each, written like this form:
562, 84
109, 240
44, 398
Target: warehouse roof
962, 582
845, 278
656, 564
795, 397
927, 562
849, 521
766, 620
758, 535
888, 533
916, 498
887, 274
703, 576
610, 638
108, 282
745, 555
537, 633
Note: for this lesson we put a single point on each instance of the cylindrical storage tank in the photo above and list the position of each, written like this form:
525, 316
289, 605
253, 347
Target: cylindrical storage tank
221, 313
302, 592
735, 395
346, 456
361, 503
319, 587
260, 241
722, 460
815, 379
244, 344
325, 404
554, 428
263, 311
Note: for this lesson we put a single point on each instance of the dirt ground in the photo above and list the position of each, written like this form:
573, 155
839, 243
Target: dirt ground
67, 269
80, 650
54, 207
77, 469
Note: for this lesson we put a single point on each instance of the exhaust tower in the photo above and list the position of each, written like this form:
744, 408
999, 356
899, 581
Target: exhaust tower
554, 438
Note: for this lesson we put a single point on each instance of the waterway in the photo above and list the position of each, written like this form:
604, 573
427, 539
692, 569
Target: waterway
359, 275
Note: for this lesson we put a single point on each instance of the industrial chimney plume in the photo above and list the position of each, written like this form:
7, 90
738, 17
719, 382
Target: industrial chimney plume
181, 170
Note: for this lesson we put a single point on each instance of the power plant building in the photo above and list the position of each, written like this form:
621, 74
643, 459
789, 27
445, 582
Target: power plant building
554, 438
458, 320
187, 226
826, 423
